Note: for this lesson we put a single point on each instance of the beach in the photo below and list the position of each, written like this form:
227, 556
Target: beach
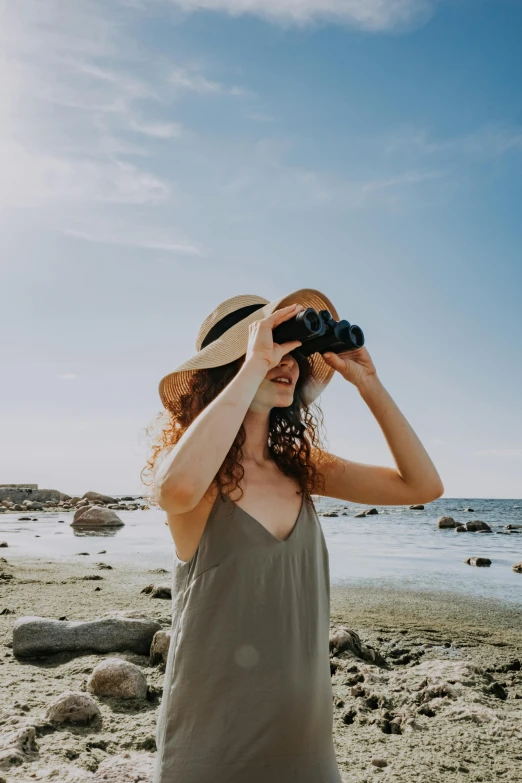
449, 707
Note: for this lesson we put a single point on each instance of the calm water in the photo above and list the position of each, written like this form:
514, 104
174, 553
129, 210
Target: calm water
398, 546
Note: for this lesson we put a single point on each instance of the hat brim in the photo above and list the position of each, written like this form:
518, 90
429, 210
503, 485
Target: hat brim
234, 342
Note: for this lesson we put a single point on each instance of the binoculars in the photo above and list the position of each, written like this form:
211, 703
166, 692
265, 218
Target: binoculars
319, 332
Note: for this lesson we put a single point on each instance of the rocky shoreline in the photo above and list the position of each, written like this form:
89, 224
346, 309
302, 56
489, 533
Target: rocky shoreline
427, 685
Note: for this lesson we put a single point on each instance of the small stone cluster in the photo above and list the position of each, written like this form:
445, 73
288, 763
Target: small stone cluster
68, 502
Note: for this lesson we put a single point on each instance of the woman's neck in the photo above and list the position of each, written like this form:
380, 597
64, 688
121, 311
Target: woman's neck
256, 426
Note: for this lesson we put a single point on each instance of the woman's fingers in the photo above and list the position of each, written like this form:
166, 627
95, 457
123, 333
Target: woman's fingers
284, 314
287, 347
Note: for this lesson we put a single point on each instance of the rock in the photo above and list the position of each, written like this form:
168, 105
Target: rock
35, 637
158, 591
72, 707
98, 497
160, 647
477, 525
114, 677
17, 746
35, 506
478, 561
73, 501
330, 514
416, 507
127, 768
97, 516
517, 568
80, 510
446, 522
461, 529
371, 511
379, 763
18, 493
469, 509
342, 640
360, 514
512, 527
4, 543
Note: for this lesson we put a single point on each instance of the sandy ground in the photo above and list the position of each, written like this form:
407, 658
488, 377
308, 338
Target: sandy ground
448, 708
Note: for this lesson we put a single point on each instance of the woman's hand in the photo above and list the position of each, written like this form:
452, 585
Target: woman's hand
261, 345
355, 366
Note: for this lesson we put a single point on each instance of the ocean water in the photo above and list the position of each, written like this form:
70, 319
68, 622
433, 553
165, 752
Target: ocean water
398, 547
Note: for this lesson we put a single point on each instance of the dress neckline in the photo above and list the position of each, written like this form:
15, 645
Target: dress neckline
265, 529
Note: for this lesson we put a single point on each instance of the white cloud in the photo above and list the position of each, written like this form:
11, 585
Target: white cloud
68, 376
158, 130
264, 180
373, 15
407, 178
33, 177
192, 80
479, 144
132, 238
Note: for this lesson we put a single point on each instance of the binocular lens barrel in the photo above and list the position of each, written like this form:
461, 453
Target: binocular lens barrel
357, 336
319, 332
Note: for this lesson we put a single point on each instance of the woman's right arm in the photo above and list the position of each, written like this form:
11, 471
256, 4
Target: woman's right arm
186, 472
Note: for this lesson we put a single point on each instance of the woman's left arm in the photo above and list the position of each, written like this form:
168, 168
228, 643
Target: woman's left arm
414, 481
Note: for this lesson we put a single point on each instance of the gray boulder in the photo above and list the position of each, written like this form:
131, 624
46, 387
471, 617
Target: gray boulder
114, 677
160, 647
343, 640
72, 707
476, 525
96, 497
17, 747
34, 505
478, 561
37, 637
127, 768
446, 522
96, 516
158, 591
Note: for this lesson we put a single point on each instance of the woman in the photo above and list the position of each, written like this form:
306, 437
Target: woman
247, 695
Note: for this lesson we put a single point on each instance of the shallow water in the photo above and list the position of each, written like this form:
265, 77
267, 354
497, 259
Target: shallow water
397, 547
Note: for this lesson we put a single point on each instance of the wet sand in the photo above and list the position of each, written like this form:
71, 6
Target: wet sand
448, 708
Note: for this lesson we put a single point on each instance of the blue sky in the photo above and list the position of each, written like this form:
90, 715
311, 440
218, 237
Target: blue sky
159, 157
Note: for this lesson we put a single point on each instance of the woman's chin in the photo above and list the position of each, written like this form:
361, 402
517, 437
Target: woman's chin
283, 397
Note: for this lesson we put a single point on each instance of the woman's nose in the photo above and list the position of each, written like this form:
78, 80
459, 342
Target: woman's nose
288, 360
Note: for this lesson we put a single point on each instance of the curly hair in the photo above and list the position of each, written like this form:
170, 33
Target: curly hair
293, 430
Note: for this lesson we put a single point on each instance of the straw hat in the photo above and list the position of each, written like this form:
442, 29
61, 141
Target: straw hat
223, 337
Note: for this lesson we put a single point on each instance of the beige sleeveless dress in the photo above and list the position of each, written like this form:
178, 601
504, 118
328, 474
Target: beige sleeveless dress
247, 696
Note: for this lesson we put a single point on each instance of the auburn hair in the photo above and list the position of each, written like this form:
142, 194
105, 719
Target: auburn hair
293, 431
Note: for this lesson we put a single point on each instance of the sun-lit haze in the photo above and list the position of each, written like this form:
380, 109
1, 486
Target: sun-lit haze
158, 157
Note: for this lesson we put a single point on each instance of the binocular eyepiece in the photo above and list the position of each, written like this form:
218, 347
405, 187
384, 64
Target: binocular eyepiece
319, 332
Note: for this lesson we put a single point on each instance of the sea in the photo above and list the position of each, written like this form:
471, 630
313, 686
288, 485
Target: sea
398, 547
